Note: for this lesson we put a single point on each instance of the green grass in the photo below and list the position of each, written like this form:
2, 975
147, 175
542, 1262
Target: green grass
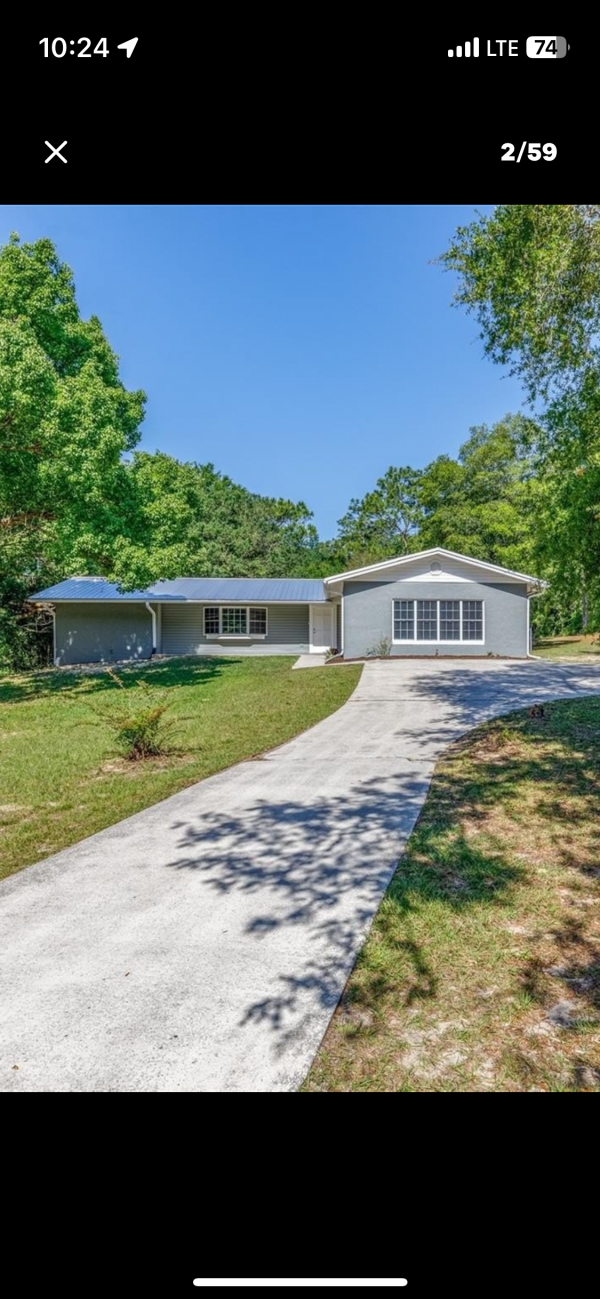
561, 647
492, 920
62, 779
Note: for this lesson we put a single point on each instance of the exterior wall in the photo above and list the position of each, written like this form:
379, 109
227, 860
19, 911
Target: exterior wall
338, 626
102, 633
183, 632
368, 616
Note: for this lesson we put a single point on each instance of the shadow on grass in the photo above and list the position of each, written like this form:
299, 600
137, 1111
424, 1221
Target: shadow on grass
548, 642
444, 865
324, 865
162, 674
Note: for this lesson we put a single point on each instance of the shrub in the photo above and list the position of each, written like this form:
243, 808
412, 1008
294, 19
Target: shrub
138, 724
25, 639
381, 650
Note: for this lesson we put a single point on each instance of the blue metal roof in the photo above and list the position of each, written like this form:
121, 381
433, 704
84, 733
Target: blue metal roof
237, 589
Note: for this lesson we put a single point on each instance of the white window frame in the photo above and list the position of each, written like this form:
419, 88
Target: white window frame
231, 635
413, 640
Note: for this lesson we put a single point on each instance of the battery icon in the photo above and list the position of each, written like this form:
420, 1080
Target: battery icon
546, 47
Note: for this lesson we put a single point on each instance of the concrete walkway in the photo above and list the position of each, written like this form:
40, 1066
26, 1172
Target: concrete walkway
310, 661
202, 944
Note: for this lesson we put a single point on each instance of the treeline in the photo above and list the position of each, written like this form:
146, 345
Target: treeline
77, 497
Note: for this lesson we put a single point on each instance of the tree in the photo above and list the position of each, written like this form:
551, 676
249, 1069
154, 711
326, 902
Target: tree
479, 504
188, 518
66, 421
383, 523
531, 275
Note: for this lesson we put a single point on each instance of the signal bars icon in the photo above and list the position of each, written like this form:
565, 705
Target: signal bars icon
459, 50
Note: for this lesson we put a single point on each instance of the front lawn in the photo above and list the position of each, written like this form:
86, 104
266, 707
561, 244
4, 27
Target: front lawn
61, 779
565, 647
482, 969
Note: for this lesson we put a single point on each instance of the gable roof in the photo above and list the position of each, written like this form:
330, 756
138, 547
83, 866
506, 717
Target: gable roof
249, 590
435, 552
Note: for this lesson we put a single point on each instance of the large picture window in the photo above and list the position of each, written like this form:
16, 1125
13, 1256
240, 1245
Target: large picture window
443, 621
235, 620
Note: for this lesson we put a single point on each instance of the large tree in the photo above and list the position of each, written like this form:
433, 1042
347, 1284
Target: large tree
479, 504
188, 518
531, 275
383, 523
66, 422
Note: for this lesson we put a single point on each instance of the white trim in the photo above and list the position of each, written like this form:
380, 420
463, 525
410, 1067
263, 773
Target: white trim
425, 554
342, 644
258, 604
54, 658
530, 654
234, 635
412, 640
159, 613
314, 648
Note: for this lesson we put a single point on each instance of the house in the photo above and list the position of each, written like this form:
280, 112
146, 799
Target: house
431, 602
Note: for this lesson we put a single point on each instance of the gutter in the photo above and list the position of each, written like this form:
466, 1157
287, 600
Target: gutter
154, 628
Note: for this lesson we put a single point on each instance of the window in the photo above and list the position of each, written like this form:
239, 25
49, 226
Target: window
449, 619
427, 619
258, 622
441, 621
472, 619
404, 620
211, 622
235, 620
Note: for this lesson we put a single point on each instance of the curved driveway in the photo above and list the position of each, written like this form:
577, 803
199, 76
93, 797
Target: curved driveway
202, 945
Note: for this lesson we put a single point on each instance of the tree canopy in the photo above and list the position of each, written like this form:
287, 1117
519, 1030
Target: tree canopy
531, 275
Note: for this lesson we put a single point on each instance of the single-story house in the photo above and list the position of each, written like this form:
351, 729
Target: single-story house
431, 602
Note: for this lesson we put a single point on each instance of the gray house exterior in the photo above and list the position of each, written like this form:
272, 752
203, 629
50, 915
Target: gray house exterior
433, 602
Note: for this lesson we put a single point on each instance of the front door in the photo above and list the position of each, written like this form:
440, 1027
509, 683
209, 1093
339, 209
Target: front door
320, 628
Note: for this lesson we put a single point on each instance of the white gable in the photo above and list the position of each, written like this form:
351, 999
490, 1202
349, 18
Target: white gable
436, 565
443, 570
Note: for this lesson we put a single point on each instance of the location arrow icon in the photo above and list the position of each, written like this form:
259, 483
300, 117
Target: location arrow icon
129, 46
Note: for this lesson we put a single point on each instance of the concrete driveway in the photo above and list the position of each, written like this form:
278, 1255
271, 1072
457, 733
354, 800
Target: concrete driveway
202, 944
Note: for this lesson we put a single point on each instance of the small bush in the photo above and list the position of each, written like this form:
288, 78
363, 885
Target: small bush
381, 650
139, 725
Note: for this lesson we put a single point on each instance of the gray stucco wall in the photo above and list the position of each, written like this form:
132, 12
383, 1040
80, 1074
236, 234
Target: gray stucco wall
102, 633
368, 616
183, 632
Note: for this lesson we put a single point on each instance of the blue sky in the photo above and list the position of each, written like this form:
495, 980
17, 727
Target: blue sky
301, 348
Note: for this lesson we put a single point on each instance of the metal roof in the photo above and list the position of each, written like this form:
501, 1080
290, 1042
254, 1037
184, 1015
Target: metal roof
220, 589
